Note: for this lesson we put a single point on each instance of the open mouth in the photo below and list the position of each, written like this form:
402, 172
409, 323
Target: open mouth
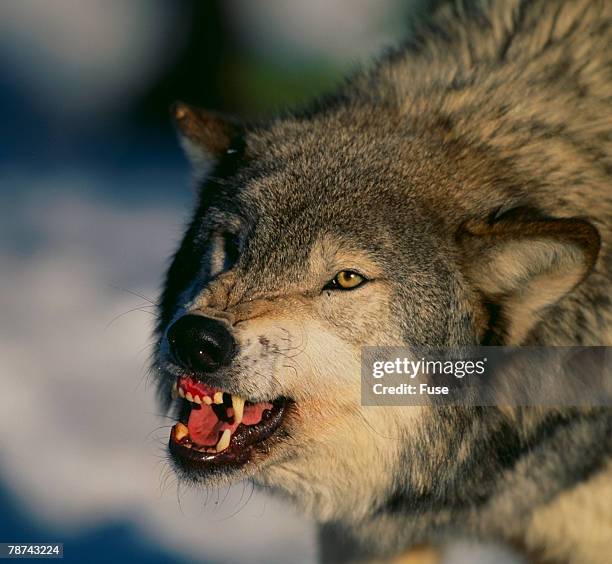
217, 429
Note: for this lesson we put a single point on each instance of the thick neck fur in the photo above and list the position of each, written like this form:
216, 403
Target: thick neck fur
495, 491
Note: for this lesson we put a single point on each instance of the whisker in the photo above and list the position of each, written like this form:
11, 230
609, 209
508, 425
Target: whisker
369, 426
226, 494
148, 435
139, 308
295, 370
147, 346
134, 293
241, 508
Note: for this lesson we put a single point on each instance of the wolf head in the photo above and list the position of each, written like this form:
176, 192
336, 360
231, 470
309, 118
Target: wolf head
313, 236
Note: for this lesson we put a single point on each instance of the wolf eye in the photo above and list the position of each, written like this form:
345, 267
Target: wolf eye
345, 280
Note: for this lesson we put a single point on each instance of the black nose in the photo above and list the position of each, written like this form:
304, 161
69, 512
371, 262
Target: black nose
200, 343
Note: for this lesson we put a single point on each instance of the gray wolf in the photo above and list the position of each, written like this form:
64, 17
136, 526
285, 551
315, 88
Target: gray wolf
458, 193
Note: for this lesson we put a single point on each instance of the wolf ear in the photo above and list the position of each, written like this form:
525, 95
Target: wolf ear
204, 135
522, 264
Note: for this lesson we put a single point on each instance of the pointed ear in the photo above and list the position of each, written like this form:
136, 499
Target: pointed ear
204, 135
522, 264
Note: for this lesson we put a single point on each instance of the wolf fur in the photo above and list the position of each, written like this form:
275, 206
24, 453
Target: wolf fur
467, 176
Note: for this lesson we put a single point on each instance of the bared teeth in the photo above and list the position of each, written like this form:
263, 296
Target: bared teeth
193, 398
224, 441
180, 431
179, 391
238, 405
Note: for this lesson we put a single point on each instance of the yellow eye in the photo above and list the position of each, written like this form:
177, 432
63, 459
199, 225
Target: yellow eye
347, 280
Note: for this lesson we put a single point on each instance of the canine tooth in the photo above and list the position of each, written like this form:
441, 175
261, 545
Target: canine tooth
181, 392
197, 399
188, 396
206, 400
180, 431
218, 397
238, 405
174, 392
224, 441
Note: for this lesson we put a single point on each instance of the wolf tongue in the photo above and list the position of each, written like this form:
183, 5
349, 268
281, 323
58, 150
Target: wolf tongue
205, 427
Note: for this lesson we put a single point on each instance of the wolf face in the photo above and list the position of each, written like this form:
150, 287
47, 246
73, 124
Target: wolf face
304, 250
303, 258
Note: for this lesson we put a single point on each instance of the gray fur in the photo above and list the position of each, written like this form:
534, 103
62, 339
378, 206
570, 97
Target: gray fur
485, 140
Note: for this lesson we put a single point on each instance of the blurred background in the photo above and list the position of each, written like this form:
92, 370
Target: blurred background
94, 193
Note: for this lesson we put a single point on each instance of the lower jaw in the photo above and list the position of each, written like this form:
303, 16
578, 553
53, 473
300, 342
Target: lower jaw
194, 464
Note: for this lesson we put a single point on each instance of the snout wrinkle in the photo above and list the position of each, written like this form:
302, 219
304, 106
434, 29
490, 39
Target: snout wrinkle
219, 296
253, 308
241, 312
230, 299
